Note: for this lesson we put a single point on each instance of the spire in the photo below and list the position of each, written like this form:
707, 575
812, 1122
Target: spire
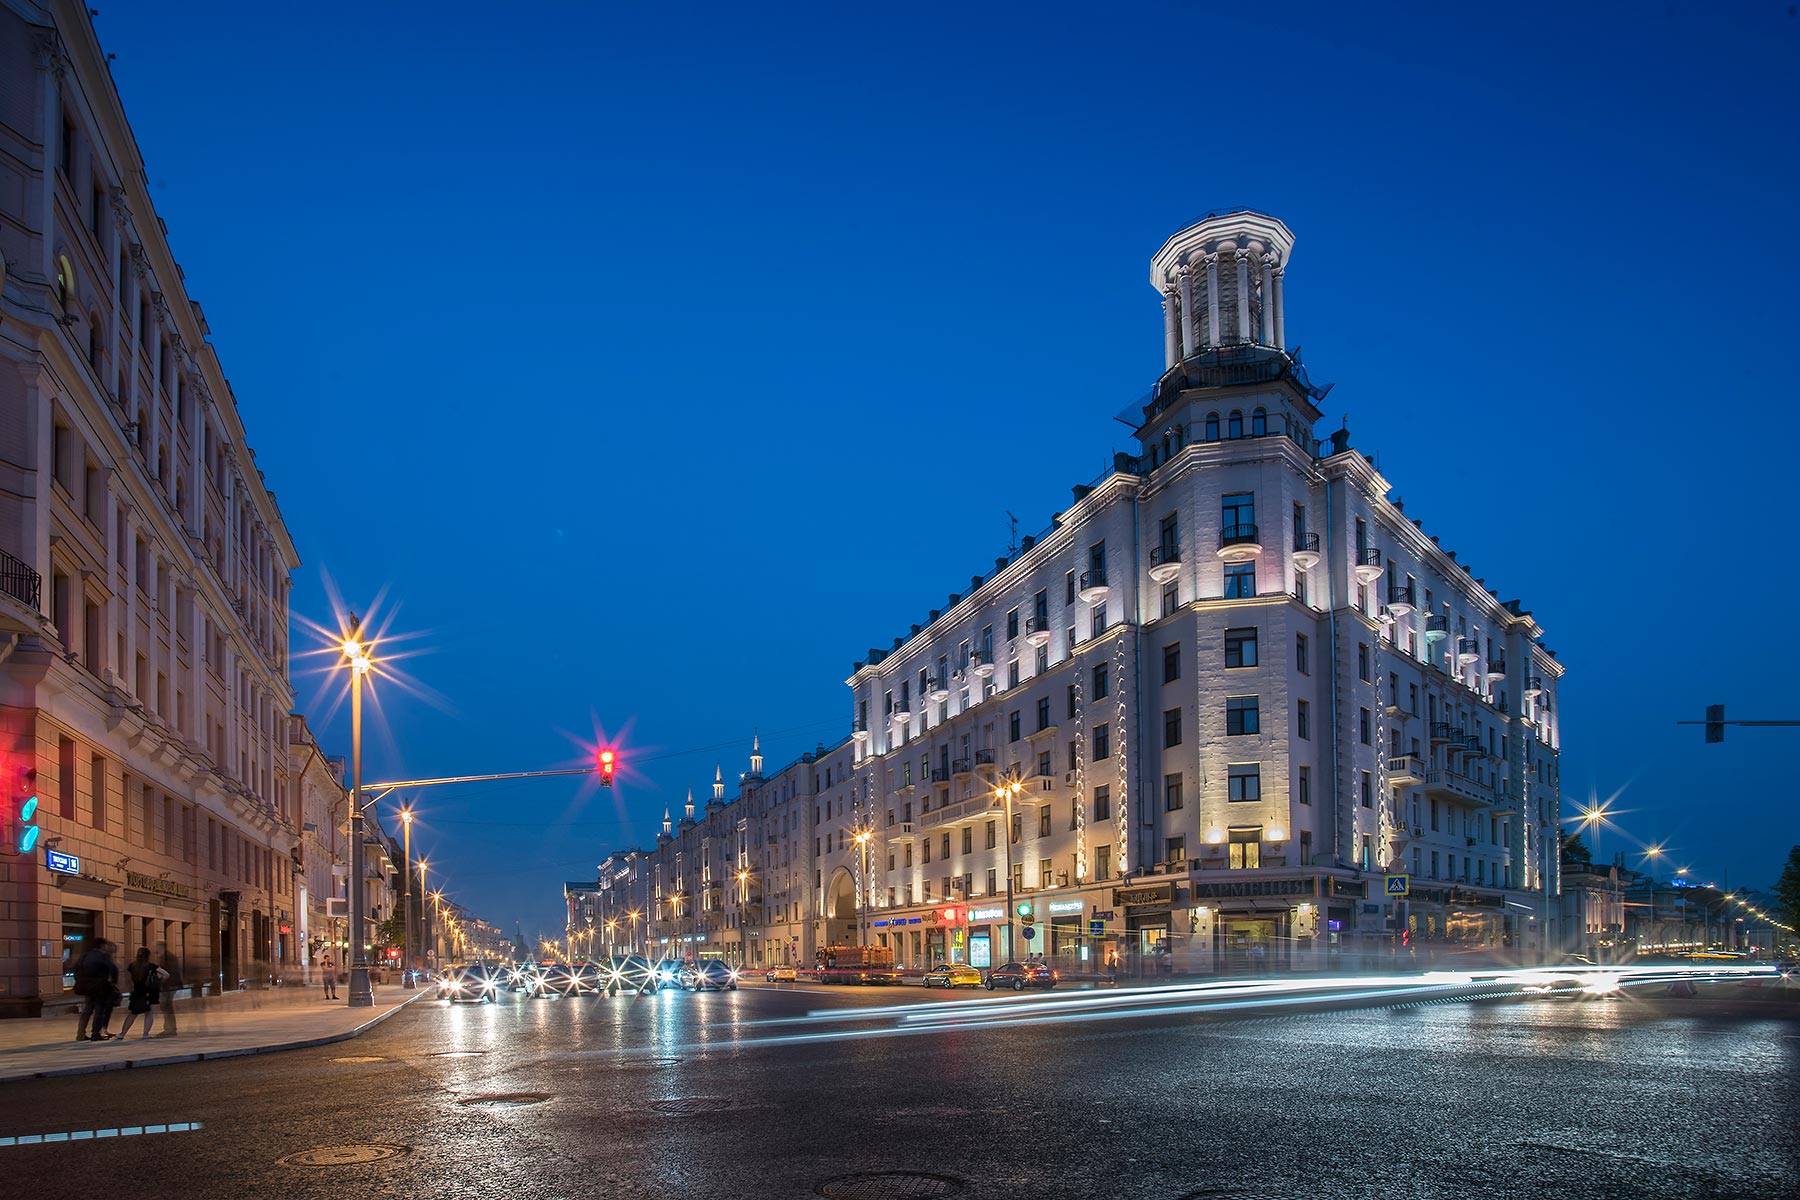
719, 782
690, 804
755, 755
668, 825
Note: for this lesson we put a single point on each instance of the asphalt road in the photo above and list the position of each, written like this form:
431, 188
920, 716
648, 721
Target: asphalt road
772, 1091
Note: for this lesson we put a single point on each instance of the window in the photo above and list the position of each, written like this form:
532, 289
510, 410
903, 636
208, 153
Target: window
1070, 705
1368, 790
1301, 662
1102, 682
1362, 661
1171, 793
1040, 607
1259, 423
1012, 625
1102, 804
1363, 727
1234, 425
1171, 662
993, 881
1074, 755
1043, 712
1102, 862
1240, 580
1237, 510
1171, 599
968, 840
1240, 647
1044, 763
1212, 427
1046, 876
1018, 827
1243, 715
1177, 851
993, 832
1245, 782
1069, 588
1044, 821
1304, 785
1102, 743
1012, 725
1246, 848
1012, 673
1303, 719
1171, 728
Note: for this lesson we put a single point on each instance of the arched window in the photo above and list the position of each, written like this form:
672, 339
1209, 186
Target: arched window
1234, 425
1259, 423
65, 281
1212, 427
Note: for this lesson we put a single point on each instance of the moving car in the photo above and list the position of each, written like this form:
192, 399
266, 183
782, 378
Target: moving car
628, 972
1019, 976
708, 973
952, 975
783, 974
552, 979
468, 982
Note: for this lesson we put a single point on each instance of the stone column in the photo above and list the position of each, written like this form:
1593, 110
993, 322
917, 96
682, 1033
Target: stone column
1187, 310
115, 585
1170, 336
1243, 296
1212, 300
1280, 313
1268, 300
129, 667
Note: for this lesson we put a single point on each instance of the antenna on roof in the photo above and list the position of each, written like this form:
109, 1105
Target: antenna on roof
1012, 535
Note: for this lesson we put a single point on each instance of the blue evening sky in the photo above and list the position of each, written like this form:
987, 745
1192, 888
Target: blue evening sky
656, 361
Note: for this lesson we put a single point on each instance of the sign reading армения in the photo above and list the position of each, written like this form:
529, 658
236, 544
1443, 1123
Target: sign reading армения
151, 883
1257, 887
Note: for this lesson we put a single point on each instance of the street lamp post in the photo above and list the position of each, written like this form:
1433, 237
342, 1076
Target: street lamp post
1007, 792
406, 882
634, 915
862, 935
361, 995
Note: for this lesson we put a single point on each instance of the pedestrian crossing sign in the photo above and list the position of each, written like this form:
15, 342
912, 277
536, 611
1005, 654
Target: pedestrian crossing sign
1397, 885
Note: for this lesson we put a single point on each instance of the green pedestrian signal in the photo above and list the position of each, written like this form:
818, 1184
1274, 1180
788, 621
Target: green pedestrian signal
26, 800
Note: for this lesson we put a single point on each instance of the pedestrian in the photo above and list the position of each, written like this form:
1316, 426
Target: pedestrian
146, 992
171, 967
97, 983
329, 967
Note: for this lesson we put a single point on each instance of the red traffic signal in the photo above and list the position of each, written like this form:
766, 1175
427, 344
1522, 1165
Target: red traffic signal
606, 768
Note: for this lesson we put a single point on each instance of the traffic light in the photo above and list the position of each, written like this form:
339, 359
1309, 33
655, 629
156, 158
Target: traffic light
1715, 722
1024, 907
25, 802
606, 768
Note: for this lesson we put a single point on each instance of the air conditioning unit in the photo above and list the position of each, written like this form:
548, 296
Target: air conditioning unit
1069, 778
337, 906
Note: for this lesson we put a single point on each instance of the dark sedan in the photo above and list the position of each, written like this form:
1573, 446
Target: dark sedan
1019, 976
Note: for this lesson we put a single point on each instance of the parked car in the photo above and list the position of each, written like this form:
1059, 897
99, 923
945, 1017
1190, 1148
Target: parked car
952, 975
783, 974
470, 983
552, 980
630, 972
708, 973
1019, 976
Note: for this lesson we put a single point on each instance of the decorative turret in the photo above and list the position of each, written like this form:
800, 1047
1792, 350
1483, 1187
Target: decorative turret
1221, 285
668, 825
756, 761
718, 785
689, 811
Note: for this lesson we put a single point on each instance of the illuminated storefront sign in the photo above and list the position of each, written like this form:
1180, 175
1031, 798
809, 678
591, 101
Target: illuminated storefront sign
1127, 897
62, 864
997, 913
1067, 906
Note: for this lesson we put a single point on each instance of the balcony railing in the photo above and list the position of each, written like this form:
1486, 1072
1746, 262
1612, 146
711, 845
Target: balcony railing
1400, 595
1308, 542
1037, 626
1239, 535
962, 766
20, 581
1468, 646
1092, 581
940, 775
984, 758
1164, 556
1438, 623
1370, 557
1442, 732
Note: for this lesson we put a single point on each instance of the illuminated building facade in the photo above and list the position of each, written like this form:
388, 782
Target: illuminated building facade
144, 566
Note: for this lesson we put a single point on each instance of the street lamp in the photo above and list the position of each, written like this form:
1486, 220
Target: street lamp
862, 840
424, 942
357, 655
406, 882
634, 914
1006, 793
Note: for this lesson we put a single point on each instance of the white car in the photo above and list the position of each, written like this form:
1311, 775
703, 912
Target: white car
783, 975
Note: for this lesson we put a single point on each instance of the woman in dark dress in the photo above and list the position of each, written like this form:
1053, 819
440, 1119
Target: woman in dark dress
146, 991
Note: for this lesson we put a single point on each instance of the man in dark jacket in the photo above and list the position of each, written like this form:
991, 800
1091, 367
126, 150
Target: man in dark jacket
97, 983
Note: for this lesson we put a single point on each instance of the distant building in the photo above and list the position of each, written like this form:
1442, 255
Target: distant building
1227, 695
144, 565
324, 847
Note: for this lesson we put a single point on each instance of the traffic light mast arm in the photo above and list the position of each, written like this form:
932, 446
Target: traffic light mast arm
381, 790
1753, 724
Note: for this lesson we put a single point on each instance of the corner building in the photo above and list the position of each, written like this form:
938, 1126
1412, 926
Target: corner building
144, 566
1229, 693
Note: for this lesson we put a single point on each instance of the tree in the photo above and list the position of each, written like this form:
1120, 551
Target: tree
391, 932
1575, 852
1787, 889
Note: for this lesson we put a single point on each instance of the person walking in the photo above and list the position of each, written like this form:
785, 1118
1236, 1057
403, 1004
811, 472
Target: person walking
171, 967
146, 992
329, 967
97, 983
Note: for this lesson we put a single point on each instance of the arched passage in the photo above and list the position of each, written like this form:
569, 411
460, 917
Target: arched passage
840, 909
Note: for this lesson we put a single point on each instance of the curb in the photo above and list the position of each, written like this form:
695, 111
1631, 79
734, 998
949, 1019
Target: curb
166, 1060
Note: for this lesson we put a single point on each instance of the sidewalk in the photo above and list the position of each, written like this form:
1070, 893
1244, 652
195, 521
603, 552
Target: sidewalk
215, 1027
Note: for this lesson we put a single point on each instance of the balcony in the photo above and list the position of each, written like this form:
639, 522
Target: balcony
1037, 631
982, 663
1453, 786
860, 733
21, 591
1092, 587
963, 812
984, 761
1368, 565
1239, 542
1437, 628
940, 775
1306, 551
1441, 732
1468, 650
960, 767
900, 715
937, 690
903, 831
1165, 563
1534, 686
1400, 599
1497, 670
1406, 770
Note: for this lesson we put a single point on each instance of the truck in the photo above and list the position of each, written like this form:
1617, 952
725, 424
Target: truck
855, 964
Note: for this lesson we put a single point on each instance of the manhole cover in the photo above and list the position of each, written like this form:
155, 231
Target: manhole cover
457, 1054
361, 1058
889, 1185
504, 1099
342, 1156
688, 1105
